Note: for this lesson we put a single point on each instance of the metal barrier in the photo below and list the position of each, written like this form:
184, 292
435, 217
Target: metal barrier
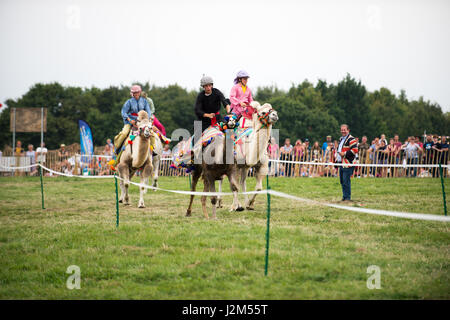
313, 163
316, 163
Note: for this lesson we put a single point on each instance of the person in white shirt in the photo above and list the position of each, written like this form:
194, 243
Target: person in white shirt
166, 153
41, 152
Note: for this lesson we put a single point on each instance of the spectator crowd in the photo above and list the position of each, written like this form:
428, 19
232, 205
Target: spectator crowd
318, 158
299, 160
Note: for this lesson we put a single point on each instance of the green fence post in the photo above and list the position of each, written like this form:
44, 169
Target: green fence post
117, 203
42, 187
190, 183
443, 189
268, 228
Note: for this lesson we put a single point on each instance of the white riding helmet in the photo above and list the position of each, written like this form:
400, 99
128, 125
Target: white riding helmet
206, 80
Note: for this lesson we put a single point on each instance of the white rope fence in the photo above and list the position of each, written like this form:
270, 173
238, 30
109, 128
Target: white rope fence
408, 215
361, 164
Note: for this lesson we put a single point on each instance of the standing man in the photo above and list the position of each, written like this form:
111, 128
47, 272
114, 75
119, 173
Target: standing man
286, 155
41, 152
429, 153
207, 105
346, 154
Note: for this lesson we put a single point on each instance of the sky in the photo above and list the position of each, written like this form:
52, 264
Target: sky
393, 44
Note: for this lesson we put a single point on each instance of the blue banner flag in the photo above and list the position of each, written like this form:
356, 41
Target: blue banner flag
87, 145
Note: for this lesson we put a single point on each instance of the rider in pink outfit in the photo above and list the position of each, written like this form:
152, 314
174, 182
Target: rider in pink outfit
241, 96
159, 125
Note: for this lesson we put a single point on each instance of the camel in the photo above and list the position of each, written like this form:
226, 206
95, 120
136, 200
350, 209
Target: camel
254, 154
213, 167
136, 156
215, 171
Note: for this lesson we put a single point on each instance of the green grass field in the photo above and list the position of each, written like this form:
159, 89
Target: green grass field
316, 252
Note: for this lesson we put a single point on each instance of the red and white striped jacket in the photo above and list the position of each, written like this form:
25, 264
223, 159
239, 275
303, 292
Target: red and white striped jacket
350, 148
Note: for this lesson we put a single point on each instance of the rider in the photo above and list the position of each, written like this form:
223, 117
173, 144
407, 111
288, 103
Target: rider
241, 96
207, 105
157, 125
130, 114
150, 101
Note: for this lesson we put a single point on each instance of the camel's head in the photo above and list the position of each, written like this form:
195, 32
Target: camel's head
266, 113
144, 124
230, 120
145, 128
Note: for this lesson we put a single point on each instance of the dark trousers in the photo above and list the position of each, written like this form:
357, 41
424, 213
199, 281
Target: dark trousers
344, 177
409, 170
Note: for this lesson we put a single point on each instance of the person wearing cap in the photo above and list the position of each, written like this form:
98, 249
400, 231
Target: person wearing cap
208, 102
63, 157
130, 114
241, 96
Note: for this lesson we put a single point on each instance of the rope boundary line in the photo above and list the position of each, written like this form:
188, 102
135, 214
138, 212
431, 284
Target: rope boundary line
408, 215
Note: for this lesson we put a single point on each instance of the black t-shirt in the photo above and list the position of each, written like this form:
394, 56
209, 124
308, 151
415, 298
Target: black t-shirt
381, 154
209, 104
428, 147
444, 154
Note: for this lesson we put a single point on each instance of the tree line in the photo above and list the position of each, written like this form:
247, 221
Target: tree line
305, 111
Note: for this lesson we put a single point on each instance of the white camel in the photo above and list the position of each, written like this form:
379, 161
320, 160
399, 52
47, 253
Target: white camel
253, 153
136, 156
156, 160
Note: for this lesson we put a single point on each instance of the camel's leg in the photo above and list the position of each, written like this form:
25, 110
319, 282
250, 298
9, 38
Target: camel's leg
122, 191
124, 173
261, 172
205, 189
195, 177
219, 198
236, 206
156, 163
243, 176
212, 188
145, 174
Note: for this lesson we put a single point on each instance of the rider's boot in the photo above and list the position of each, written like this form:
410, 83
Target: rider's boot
153, 144
120, 138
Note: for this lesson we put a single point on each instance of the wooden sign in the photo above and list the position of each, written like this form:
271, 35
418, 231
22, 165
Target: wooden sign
28, 119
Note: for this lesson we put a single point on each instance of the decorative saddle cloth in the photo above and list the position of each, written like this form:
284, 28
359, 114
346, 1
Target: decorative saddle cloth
182, 157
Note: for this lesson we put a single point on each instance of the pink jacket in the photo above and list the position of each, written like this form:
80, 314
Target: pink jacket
237, 96
159, 125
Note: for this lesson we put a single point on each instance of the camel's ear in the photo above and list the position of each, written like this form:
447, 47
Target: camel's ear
266, 105
255, 105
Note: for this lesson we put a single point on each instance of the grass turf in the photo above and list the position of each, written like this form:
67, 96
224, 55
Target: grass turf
316, 252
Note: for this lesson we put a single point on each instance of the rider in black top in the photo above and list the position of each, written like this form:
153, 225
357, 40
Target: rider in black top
207, 105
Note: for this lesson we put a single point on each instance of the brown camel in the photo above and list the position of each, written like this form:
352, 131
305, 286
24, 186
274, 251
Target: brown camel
213, 167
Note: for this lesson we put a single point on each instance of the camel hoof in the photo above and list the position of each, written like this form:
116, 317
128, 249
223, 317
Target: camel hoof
250, 208
141, 206
240, 209
120, 201
126, 204
188, 213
